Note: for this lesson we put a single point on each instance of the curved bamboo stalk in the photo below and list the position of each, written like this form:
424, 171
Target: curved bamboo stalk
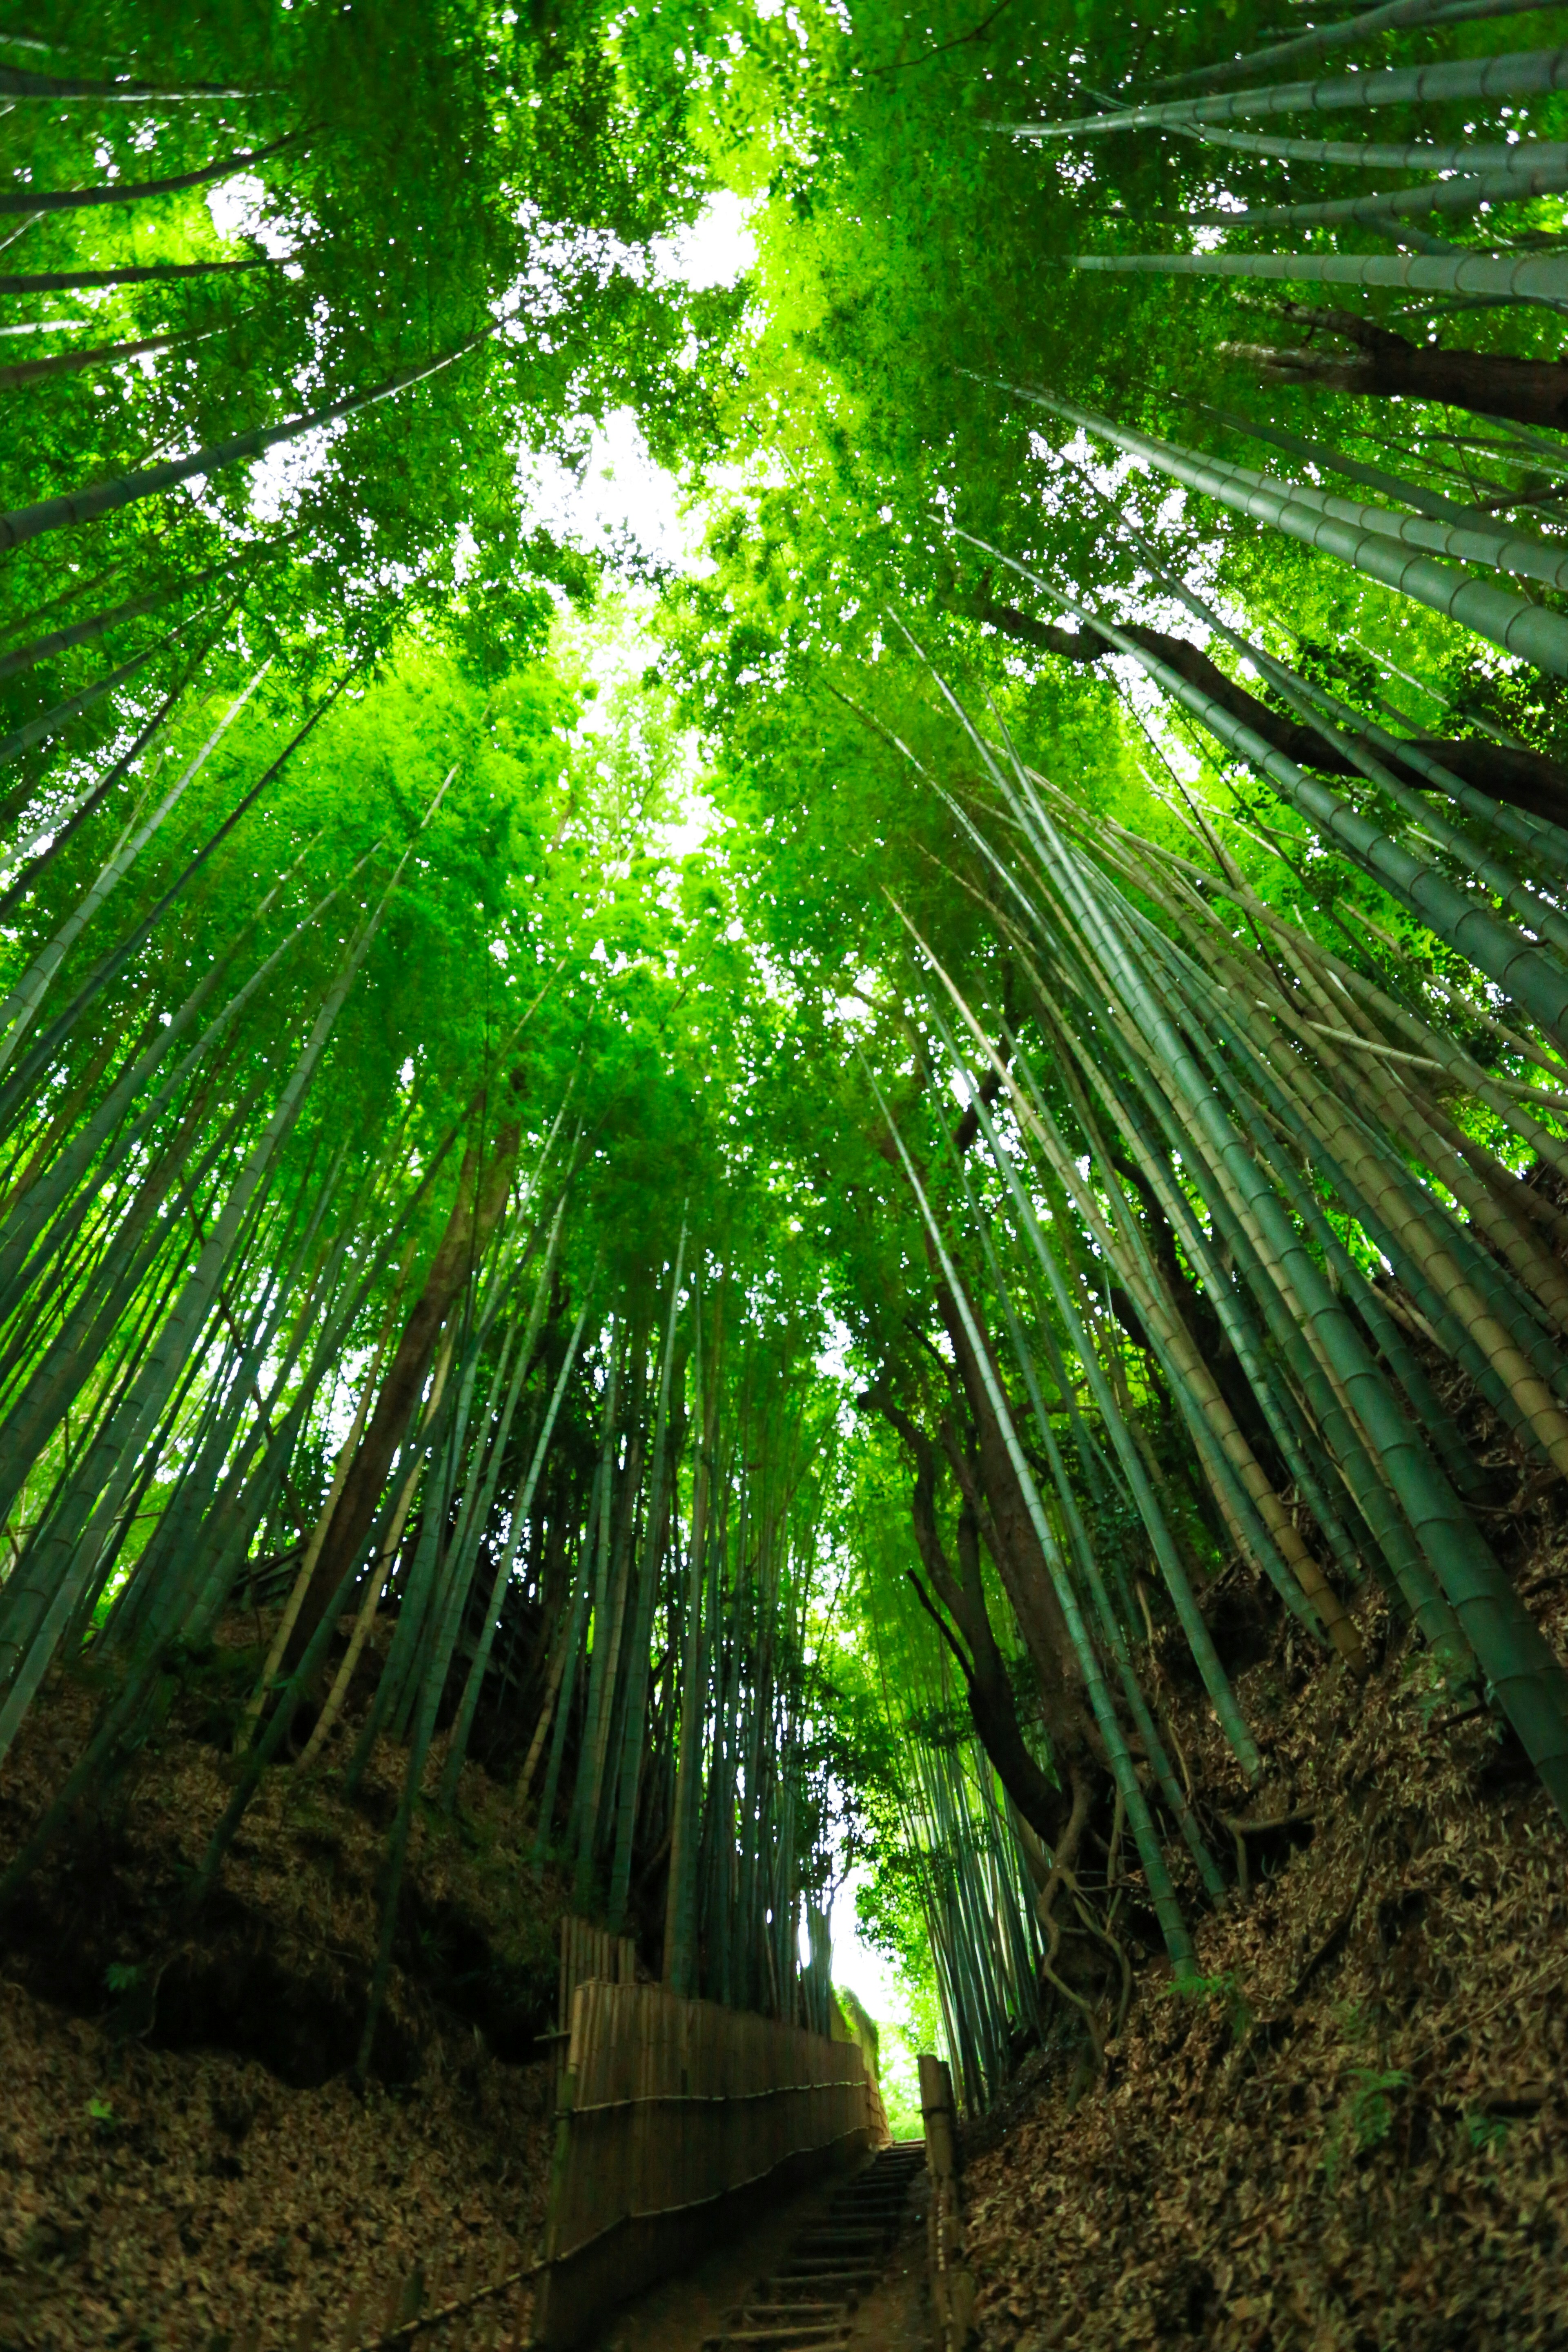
56, 721
128, 192
1393, 15
382, 1556
1178, 1941
1454, 196
1365, 154
24, 523
72, 362
1514, 962
1526, 73
152, 273
1504, 620
1470, 536
1521, 278
522, 1505
19, 1007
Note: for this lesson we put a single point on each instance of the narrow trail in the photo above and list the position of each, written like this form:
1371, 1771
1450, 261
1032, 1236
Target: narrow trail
841, 2264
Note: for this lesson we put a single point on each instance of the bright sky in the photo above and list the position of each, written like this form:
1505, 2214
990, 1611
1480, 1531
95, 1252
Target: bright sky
622, 488
855, 1964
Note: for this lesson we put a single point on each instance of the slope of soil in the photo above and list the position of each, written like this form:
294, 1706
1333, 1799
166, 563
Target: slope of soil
182, 2155
1355, 2135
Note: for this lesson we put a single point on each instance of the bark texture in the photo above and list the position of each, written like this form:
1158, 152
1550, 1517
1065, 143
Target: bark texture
1520, 779
483, 1184
988, 1686
1384, 365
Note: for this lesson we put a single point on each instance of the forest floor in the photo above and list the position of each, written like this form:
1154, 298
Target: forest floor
1353, 2138
181, 2156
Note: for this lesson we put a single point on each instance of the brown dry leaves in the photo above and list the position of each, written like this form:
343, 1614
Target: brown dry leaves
153, 2197
1375, 2156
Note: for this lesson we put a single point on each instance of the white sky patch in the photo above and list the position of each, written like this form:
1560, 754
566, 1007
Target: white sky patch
853, 1012
854, 1963
698, 817
717, 248
621, 493
833, 1360
236, 208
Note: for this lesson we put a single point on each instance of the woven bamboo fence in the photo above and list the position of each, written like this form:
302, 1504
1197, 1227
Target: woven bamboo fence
587, 1951
668, 2109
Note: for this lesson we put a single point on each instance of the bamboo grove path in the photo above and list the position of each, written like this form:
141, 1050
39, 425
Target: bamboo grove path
840, 2263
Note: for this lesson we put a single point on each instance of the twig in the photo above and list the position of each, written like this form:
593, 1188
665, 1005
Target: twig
1241, 1830
1341, 1928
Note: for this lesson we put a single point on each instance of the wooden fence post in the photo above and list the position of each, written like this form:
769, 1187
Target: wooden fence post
951, 2283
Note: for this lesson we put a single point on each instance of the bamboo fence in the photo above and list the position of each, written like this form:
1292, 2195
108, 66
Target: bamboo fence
587, 1951
668, 2109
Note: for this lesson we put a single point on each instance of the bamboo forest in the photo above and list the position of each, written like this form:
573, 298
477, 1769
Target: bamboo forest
784, 1175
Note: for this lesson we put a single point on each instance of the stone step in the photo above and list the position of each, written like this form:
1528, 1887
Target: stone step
837, 2266
802, 2312
798, 2295
781, 2336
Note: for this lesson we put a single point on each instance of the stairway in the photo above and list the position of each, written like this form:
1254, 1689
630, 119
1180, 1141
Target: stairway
808, 2299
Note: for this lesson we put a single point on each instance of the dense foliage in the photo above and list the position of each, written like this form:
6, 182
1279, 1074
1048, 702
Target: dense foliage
776, 1345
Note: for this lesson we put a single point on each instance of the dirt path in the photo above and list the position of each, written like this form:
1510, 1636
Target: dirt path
896, 2315
681, 2313
676, 2316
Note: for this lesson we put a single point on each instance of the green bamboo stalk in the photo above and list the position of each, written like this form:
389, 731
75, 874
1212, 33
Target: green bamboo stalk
1349, 33
127, 191
1524, 74
636, 1680
1514, 963
88, 504
1520, 277
55, 720
1381, 212
1178, 1941
1032, 1114
1439, 524
522, 1505
1415, 155
1504, 620
1531, 1683
18, 1008
1137, 1707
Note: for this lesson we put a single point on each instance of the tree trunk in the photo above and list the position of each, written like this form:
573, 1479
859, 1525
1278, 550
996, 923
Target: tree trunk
107, 498
1010, 1536
1517, 778
71, 281
991, 1705
1385, 365
122, 191
474, 1212
23, 371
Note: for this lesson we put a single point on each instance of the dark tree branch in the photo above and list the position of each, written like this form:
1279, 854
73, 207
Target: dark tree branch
1519, 778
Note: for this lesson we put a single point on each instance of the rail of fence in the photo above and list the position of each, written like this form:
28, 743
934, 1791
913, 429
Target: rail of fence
669, 2113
